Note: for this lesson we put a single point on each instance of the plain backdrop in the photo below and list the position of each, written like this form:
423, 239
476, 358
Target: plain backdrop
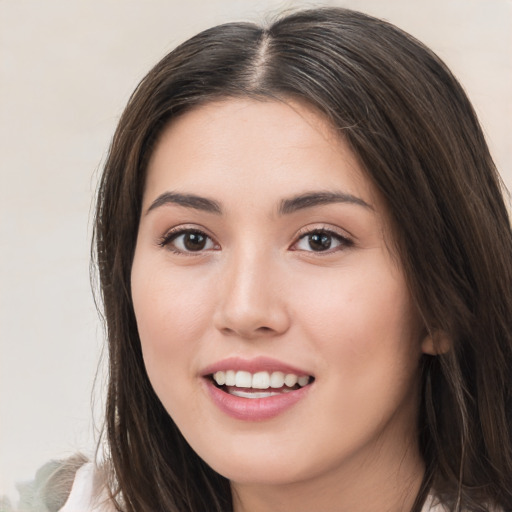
67, 68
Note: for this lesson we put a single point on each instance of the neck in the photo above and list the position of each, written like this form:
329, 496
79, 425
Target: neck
383, 480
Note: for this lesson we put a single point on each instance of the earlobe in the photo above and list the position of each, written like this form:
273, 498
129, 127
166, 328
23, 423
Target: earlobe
436, 343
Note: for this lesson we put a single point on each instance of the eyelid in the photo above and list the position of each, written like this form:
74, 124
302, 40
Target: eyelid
336, 232
166, 239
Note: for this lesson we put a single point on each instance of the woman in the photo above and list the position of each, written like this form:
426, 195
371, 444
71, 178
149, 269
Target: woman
305, 262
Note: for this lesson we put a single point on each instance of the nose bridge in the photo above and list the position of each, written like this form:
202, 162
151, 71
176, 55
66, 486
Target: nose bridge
250, 302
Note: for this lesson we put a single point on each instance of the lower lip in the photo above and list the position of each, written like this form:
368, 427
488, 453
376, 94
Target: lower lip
254, 409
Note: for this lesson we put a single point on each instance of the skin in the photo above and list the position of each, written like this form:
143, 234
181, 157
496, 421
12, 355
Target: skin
258, 288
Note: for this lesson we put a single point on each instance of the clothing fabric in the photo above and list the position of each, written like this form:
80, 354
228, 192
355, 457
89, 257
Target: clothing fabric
82, 495
85, 495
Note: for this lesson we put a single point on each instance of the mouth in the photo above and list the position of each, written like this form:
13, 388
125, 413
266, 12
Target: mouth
257, 389
258, 385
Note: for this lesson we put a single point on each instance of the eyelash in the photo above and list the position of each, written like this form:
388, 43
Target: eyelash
343, 242
173, 234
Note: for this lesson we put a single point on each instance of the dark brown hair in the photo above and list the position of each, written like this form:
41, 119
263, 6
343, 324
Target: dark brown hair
417, 137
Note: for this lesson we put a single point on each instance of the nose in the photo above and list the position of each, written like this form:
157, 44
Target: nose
252, 299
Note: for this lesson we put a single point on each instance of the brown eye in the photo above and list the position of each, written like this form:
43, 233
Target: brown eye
187, 241
319, 241
322, 241
194, 241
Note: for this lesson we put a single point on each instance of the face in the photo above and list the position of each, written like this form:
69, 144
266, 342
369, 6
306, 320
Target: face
276, 327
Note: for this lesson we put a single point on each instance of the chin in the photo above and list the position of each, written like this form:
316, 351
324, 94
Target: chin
262, 473
266, 462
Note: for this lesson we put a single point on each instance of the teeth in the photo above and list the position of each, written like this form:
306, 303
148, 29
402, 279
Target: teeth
243, 380
230, 378
290, 380
259, 380
258, 394
277, 380
303, 381
220, 378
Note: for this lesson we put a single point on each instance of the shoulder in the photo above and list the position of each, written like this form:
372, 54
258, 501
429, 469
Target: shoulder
89, 492
70, 485
433, 504
50, 488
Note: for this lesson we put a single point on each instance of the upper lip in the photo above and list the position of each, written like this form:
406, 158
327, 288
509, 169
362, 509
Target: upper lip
254, 365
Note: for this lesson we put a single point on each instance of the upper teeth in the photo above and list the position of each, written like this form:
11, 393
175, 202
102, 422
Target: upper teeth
259, 380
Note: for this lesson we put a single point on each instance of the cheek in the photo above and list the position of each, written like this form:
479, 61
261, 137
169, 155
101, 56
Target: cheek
363, 321
368, 334
171, 315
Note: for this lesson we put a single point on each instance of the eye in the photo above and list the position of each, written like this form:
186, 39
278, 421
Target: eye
187, 241
321, 240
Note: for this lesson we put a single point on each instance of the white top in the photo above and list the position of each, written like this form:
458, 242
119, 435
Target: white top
82, 496
83, 493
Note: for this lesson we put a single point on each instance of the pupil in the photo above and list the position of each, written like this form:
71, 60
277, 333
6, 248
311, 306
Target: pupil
319, 242
194, 241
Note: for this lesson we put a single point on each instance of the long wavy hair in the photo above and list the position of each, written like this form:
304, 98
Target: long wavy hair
417, 137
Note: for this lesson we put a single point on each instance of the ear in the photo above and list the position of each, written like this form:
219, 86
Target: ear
436, 343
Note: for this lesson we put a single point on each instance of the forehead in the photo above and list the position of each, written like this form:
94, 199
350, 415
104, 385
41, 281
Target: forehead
260, 147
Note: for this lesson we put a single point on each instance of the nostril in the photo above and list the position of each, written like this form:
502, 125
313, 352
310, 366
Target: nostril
228, 330
259, 331
264, 329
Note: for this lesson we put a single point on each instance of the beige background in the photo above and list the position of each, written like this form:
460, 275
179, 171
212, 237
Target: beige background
66, 70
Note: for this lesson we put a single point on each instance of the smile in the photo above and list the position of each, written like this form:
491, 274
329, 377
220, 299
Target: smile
257, 389
252, 385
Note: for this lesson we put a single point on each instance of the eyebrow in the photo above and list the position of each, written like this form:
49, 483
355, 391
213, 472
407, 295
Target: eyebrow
311, 199
287, 206
188, 200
